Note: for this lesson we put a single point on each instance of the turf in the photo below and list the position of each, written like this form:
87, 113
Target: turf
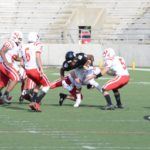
83, 128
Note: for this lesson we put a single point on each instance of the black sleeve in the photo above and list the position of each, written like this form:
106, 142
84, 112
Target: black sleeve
66, 66
81, 60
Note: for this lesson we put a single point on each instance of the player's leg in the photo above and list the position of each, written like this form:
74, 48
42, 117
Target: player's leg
76, 91
75, 95
27, 89
123, 80
118, 99
107, 97
63, 97
44, 82
38, 95
95, 84
13, 75
66, 85
55, 84
110, 85
78, 98
3, 82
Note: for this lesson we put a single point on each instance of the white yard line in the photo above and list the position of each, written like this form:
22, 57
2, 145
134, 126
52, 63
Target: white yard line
74, 147
140, 83
68, 134
140, 69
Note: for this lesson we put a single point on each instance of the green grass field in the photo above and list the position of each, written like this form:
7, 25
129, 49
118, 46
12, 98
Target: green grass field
85, 128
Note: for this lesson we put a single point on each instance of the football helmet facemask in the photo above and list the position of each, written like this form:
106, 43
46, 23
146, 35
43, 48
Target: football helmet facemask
108, 53
17, 36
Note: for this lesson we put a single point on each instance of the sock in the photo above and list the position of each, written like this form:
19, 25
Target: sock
117, 97
108, 99
0, 93
6, 93
78, 100
34, 97
41, 95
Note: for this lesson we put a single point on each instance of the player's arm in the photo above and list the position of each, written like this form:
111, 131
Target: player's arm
3, 50
17, 58
106, 69
39, 61
97, 72
62, 73
65, 67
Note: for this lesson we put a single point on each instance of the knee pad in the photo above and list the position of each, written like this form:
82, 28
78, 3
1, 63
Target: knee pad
45, 89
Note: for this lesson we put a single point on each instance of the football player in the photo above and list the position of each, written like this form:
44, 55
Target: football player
31, 54
9, 74
27, 86
74, 81
71, 62
116, 67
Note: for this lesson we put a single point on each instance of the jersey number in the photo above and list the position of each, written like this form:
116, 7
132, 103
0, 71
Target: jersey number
27, 54
122, 63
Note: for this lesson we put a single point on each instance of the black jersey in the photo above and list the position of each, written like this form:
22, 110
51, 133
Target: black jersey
67, 66
81, 59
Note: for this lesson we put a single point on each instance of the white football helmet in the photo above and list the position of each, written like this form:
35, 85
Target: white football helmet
17, 36
33, 37
108, 53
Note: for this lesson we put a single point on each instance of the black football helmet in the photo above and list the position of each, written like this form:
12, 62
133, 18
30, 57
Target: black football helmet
70, 55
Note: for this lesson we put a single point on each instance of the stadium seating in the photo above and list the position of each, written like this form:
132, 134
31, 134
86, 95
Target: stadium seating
57, 20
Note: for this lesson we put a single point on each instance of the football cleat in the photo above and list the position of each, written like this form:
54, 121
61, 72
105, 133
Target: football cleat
6, 100
62, 97
1, 102
21, 99
35, 106
119, 106
109, 107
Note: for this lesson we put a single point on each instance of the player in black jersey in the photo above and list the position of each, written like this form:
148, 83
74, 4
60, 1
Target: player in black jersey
72, 61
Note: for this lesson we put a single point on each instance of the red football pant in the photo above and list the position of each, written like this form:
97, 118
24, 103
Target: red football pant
116, 83
35, 75
10, 72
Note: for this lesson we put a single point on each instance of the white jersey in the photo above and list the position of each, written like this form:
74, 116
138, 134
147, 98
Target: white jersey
28, 53
83, 74
12, 50
117, 64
